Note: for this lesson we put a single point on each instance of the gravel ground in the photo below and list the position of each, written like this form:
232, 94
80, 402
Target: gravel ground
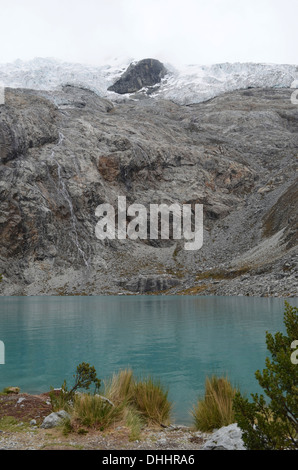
115, 439
29, 411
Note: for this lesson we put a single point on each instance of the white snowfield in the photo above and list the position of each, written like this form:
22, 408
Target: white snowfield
184, 85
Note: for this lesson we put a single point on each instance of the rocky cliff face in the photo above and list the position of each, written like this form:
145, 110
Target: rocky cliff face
65, 152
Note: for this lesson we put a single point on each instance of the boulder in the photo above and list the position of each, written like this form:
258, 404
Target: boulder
225, 438
12, 390
54, 419
145, 73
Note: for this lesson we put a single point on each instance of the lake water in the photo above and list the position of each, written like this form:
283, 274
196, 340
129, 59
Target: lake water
177, 339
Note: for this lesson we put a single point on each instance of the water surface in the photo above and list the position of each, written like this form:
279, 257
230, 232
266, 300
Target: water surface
177, 339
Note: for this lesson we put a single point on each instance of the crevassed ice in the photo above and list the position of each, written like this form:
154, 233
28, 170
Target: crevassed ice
184, 85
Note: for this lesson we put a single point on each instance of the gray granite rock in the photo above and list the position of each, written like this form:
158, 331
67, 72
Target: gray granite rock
225, 438
54, 419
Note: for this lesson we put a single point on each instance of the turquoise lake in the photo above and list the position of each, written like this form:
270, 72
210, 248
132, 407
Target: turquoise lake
177, 339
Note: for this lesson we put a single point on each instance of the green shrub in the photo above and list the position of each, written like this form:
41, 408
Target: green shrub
85, 375
272, 423
216, 408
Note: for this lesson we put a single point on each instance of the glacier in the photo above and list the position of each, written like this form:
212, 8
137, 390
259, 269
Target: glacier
184, 85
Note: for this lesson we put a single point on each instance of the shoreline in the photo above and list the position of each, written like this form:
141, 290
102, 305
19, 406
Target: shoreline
23, 432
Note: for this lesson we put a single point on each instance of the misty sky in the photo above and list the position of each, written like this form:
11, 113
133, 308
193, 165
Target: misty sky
179, 32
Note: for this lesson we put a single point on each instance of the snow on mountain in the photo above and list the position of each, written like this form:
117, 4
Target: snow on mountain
185, 85
48, 74
197, 83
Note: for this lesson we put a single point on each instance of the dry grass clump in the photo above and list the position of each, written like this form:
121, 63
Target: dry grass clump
216, 408
125, 401
151, 400
94, 412
147, 396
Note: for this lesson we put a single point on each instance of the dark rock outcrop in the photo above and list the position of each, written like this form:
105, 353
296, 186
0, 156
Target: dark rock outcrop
144, 285
145, 73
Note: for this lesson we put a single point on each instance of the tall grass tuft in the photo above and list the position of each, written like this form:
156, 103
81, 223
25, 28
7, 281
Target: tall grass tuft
151, 399
216, 408
134, 421
147, 397
120, 388
94, 412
